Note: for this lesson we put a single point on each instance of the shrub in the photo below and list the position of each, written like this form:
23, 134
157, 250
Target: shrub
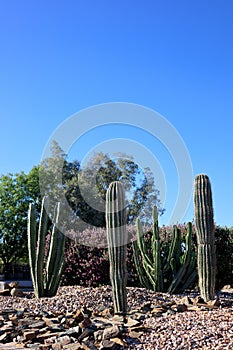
89, 266
224, 253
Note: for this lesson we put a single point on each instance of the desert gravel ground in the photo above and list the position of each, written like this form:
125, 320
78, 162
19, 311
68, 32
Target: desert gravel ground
192, 328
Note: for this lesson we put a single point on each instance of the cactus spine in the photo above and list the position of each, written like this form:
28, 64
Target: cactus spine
153, 269
204, 223
45, 284
117, 239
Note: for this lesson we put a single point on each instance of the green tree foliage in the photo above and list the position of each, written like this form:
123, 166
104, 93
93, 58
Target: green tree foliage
16, 192
85, 187
90, 183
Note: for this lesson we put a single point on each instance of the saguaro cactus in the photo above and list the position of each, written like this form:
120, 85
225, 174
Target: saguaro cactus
204, 223
117, 240
45, 276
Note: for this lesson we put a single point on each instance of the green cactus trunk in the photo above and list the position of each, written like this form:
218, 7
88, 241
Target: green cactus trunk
117, 240
204, 223
45, 284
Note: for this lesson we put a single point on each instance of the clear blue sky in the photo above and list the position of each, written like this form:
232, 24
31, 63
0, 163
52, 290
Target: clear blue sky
176, 57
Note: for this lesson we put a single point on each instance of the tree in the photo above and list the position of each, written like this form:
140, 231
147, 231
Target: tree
16, 192
85, 187
81, 189
89, 185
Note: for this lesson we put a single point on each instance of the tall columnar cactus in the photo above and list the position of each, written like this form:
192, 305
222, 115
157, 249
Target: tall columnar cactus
117, 239
45, 276
154, 266
204, 223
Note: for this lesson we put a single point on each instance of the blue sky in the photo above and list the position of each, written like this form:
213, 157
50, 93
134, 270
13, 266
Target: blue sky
175, 57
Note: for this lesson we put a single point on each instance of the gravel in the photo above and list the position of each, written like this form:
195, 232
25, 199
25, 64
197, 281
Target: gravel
192, 329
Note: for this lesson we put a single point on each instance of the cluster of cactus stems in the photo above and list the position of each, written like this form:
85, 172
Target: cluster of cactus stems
204, 224
46, 269
149, 271
152, 267
116, 220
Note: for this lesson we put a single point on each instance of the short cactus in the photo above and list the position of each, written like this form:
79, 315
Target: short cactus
204, 223
117, 239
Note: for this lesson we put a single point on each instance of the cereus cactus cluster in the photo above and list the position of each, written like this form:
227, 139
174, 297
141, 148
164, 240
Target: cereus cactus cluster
149, 271
204, 223
46, 262
183, 264
154, 265
117, 239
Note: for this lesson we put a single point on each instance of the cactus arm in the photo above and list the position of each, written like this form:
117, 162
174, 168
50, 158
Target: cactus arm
55, 261
156, 251
140, 270
187, 255
174, 251
52, 255
32, 233
42, 231
147, 263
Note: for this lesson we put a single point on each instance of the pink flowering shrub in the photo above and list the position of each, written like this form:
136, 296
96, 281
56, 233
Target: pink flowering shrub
89, 266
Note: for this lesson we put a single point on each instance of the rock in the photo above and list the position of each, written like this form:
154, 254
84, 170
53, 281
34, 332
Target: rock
186, 300
226, 288
199, 300
118, 319
57, 346
132, 323
50, 341
13, 285
15, 292
5, 292
181, 308
86, 323
4, 286
86, 332
36, 324
108, 345
29, 335
88, 345
111, 332
5, 338
78, 316
64, 340
134, 334
216, 302
106, 312
158, 311
120, 342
